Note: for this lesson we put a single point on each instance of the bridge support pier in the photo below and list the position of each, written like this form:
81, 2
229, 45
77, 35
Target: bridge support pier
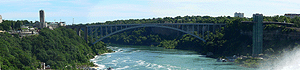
106, 30
111, 29
208, 31
198, 29
203, 31
101, 32
92, 32
86, 34
96, 33
257, 34
78, 32
213, 28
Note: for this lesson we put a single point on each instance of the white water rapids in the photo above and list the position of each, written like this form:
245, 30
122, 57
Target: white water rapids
289, 60
157, 58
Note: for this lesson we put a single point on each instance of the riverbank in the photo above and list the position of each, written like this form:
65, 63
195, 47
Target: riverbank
243, 61
249, 62
96, 66
274, 60
99, 66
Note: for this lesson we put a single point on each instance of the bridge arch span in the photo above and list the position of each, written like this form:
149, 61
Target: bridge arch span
140, 26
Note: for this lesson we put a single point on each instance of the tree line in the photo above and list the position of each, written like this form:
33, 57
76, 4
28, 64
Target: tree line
199, 19
14, 25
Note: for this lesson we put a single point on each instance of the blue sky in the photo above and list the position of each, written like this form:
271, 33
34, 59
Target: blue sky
88, 11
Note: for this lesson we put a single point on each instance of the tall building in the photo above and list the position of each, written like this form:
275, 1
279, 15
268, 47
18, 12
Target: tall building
0, 19
42, 19
292, 15
241, 15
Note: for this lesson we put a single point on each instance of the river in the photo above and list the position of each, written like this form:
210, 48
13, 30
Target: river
157, 58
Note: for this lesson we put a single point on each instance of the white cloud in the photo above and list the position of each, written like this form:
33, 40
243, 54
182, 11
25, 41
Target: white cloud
62, 13
183, 1
15, 15
290, 1
117, 10
78, 2
66, 13
23, 1
185, 7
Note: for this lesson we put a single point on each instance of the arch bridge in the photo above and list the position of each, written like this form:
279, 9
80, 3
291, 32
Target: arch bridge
97, 33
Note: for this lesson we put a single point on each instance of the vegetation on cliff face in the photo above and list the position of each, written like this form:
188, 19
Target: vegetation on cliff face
58, 48
141, 36
169, 44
